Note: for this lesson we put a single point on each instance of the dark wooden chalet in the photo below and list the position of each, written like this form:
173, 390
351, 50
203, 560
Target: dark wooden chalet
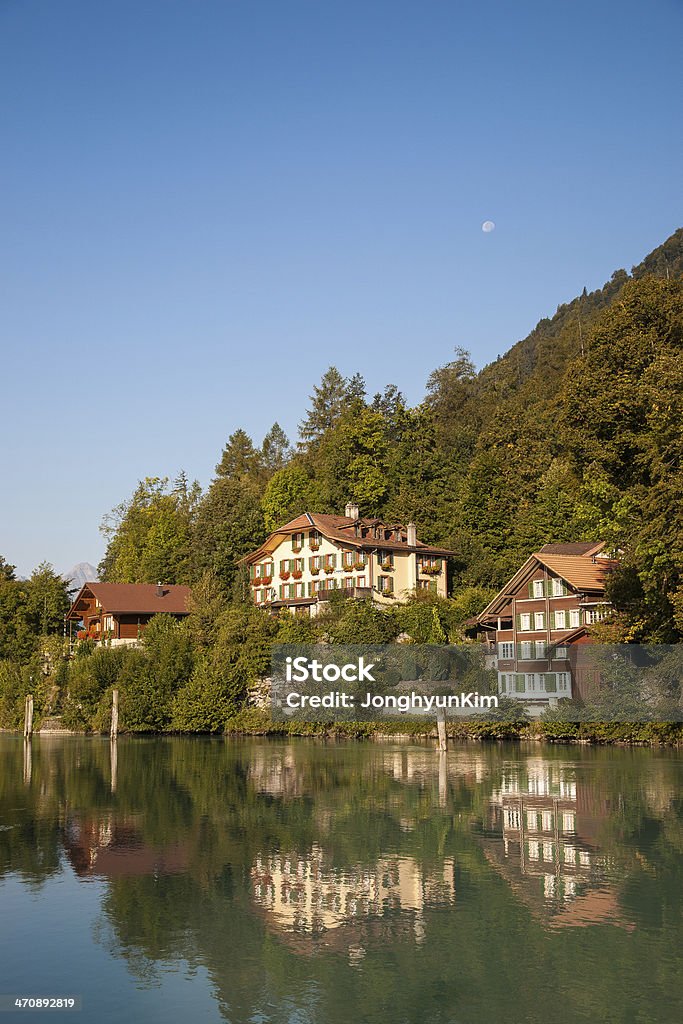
535, 621
119, 612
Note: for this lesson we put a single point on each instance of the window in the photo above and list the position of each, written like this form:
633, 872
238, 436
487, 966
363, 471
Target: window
511, 817
385, 585
314, 562
348, 559
525, 650
539, 620
548, 849
574, 618
330, 561
568, 821
561, 654
360, 582
524, 622
559, 588
297, 541
550, 682
385, 559
534, 849
595, 614
537, 588
506, 651
108, 624
560, 619
314, 539
547, 821
540, 649
563, 682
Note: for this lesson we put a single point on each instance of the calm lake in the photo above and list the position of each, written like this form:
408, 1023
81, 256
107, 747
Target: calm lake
308, 881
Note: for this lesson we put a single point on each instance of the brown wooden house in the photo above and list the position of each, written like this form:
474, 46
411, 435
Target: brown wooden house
534, 624
119, 612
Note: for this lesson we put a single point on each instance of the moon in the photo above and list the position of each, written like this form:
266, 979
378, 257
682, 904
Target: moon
488, 226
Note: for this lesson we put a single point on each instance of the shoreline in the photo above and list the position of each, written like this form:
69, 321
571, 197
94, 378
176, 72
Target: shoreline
257, 724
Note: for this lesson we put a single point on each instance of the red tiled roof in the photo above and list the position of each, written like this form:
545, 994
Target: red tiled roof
343, 530
136, 598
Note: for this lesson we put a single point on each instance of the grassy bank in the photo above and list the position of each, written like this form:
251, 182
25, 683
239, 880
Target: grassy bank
253, 722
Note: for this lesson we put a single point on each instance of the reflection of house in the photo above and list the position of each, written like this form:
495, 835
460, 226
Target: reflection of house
310, 895
540, 614
119, 612
301, 563
114, 848
542, 856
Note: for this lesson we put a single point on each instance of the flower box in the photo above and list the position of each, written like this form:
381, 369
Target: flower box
284, 575
386, 566
315, 572
314, 546
329, 569
297, 574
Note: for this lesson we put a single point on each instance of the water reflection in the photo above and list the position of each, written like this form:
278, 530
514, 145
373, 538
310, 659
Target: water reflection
461, 874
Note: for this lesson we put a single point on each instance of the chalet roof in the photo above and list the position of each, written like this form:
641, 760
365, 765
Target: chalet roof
342, 530
134, 599
580, 571
584, 571
578, 548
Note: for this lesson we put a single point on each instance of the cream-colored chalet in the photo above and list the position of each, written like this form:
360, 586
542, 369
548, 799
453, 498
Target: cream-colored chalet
538, 616
119, 612
300, 564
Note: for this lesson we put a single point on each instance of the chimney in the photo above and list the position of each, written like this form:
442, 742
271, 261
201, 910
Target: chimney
160, 589
412, 535
351, 511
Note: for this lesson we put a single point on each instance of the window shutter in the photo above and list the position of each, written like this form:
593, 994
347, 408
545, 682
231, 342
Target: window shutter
530, 588
548, 588
518, 620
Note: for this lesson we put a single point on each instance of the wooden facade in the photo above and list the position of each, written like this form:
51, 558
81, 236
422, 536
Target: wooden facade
534, 624
119, 612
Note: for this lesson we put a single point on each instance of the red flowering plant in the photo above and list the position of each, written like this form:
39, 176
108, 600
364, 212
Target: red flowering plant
297, 574
284, 575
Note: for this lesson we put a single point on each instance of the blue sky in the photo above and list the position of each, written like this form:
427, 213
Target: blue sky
204, 205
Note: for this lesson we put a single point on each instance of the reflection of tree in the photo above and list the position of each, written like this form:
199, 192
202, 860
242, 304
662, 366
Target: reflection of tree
370, 809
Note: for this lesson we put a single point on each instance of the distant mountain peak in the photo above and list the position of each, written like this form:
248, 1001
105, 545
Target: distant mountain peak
83, 572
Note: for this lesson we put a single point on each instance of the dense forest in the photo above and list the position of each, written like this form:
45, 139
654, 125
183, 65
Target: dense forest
574, 434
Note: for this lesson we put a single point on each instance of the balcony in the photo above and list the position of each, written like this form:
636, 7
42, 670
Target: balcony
360, 593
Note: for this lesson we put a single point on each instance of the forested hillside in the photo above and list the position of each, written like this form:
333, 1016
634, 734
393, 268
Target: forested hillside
575, 433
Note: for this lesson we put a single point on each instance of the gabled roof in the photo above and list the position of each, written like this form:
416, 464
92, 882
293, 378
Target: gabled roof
134, 598
580, 571
577, 548
342, 530
584, 571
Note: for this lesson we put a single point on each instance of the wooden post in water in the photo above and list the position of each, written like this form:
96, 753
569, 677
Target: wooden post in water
114, 761
441, 729
28, 761
28, 716
114, 714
